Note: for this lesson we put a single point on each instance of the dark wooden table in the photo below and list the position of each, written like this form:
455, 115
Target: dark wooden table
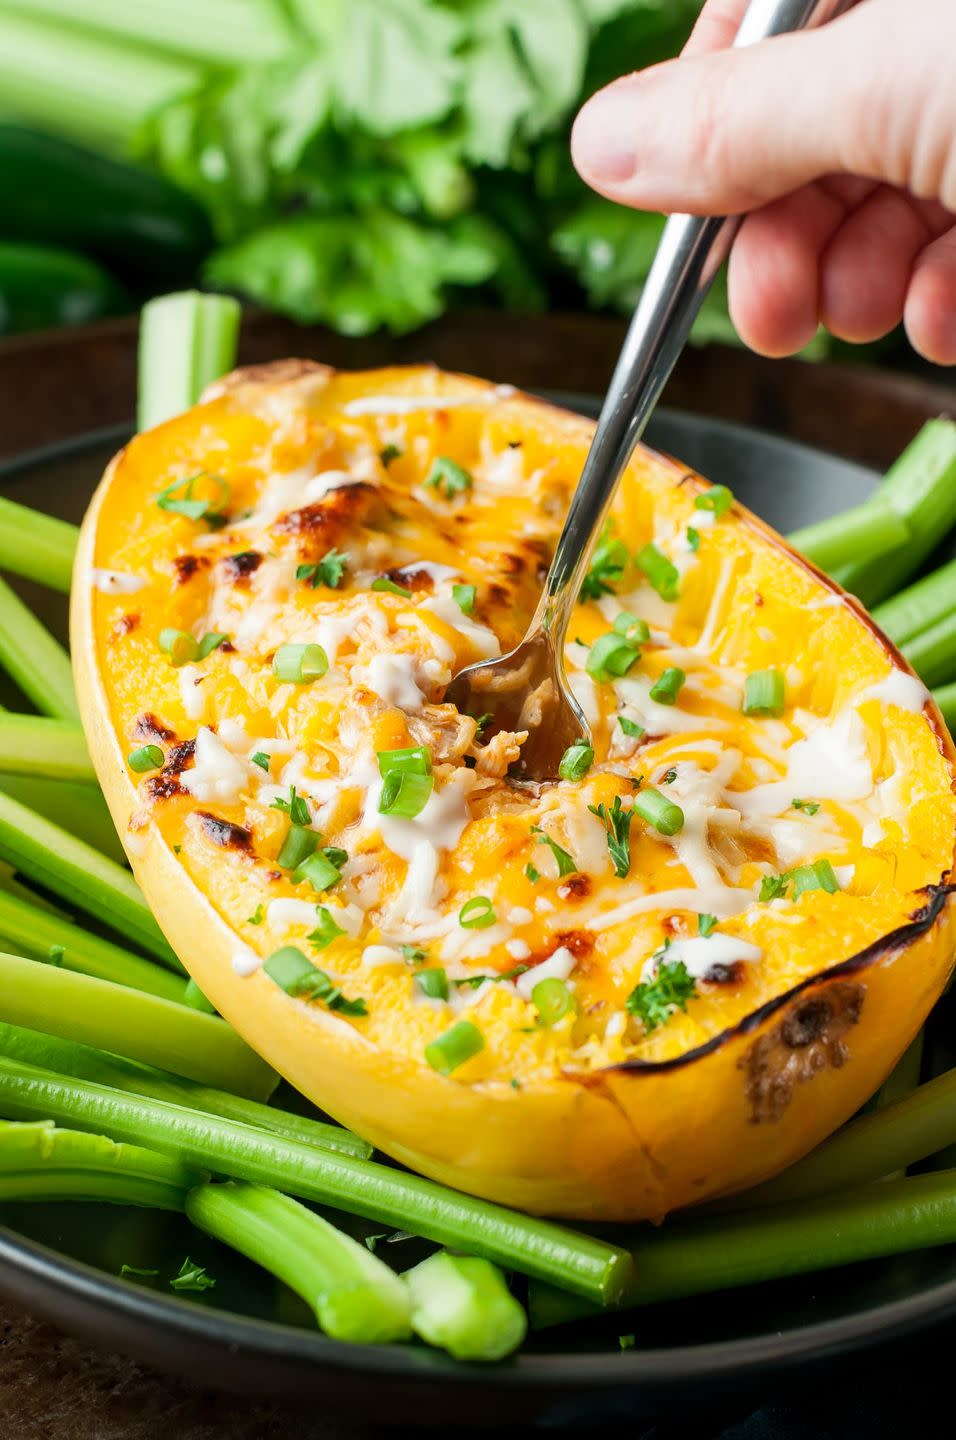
55, 387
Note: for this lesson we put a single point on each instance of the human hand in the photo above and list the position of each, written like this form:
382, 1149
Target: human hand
840, 143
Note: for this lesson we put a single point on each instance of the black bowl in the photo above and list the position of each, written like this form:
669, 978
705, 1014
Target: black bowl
250, 1333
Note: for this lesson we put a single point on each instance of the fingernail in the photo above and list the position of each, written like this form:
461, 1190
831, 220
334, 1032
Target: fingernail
602, 143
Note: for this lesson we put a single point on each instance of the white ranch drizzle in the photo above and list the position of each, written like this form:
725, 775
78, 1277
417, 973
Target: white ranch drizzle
699, 953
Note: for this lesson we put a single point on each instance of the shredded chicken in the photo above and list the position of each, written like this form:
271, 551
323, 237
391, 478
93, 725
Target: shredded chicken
501, 751
447, 733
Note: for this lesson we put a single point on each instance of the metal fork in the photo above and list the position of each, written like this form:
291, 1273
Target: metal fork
527, 689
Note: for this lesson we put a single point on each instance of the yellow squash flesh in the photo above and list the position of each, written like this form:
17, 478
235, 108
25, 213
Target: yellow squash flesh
598, 1115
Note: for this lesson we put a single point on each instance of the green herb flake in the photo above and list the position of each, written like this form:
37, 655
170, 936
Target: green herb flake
294, 973
389, 587
654, 1001
774, 887
530, 873
414, 954
630, 727
257, 916
809, 807
718, 499
464, 598
706, 924
326, 929
662, 574
607, 566
263, 760
137, 1272
327, 571
617, 824
448, 477
295, 807
567, 865
693, 538
180, 498
191, 1277
389, 453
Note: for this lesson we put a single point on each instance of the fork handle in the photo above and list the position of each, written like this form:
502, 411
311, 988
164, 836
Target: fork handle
691, 251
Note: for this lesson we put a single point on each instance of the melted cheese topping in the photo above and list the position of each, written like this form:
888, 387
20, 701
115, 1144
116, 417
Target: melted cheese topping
320, 473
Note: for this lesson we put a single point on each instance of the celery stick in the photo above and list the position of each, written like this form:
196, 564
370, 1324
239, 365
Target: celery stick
73, 805
932, 653
66, 1057
576, 1261
127, 1022
75, 872
222, 32
27, 929
37, 546
354, 1296
87, 86
921, 487
463, 1305
860, 534
41, 745
694, 1257
39, 1162
945, 698
185, 342
918, 607
37, 662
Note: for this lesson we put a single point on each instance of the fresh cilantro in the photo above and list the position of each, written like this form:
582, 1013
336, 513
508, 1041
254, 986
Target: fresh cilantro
191, 1277
261, 759
809, 807
654, 1001
325, 931
630, 727
295, 807
693, 538
180, 498
706, 925
669, 777
464, 598
448, 477
482, 722
567, 865
414, 954
531, 873
607, 564
137, 1272
774, 887
472, 982
389, 453
617, 823
256, 917
389, 587
327, 571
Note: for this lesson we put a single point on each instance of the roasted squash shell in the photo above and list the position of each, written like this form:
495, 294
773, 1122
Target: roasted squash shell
439, 499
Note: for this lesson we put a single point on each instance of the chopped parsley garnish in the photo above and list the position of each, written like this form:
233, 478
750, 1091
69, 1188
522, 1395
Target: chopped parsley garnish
662, 574
706, 924
717, 499
617, 823
669, 776
180, 498
295, 807
261, 759
257, 916
531, 873
608, 564
464, 598
809, 807
630, 727
211, 642
567, 865
327, 571
414, 953
294, 973
654, 1001
448, 477
191, 1277
472, 982
481, 723
390, 588
818, 876
774, 887
389, 453
325, 931
693, 538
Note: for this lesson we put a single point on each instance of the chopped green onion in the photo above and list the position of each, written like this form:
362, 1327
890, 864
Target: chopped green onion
818, 876
257, 916
181, 647
433, 983
326, 929
632, 627
209, 643
191, 1277
464, 597
261, 759
611, 656
296, 807
717, 499
300, 664
533, 874
462, 1304
654, 1001
657, 810
630, 727
320, 870
775, 887
608, 563
194, 997
137, 1272
300, 842
414, 953
693, 538
405, 795
477, 913
567, 865
668, 685
177, 498
294, 973
415, 760
390, 588
662, 574
449, 1051
146, 758
576, 760
327, 571
809, 807
764, 693
389, 453
448, 477
617, 823
186, 341
552, 1000
706, 924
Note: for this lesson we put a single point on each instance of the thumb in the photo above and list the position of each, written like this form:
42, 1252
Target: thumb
726, 132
